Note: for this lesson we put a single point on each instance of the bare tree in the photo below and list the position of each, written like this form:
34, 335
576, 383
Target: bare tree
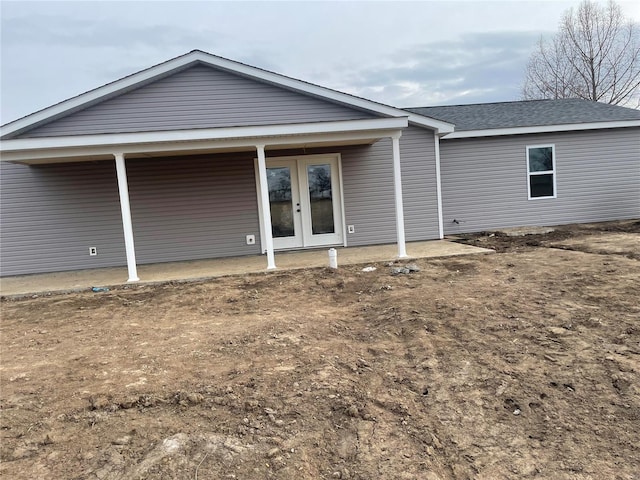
595, 55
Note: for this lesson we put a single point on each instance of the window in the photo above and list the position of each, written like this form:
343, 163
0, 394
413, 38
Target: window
541, 171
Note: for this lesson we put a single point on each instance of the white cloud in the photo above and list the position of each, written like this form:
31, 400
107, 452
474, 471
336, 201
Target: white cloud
401, 53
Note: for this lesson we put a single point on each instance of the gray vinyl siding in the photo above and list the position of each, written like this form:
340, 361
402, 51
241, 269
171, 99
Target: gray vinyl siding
193, 208
369, 191
367, 177
484, 180
52, 214
182, 209
419, 187
199, 97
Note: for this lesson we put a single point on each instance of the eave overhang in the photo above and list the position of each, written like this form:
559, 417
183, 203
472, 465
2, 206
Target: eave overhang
572, 127
103, 146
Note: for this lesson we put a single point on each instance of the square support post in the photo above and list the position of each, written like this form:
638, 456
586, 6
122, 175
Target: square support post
127, 226
265, 212
436, 139
397, 183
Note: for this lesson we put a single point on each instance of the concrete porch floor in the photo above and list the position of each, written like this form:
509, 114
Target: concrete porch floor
78, 280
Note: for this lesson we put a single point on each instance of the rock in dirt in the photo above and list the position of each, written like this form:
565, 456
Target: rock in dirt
98, 402
195, 398
273, 452
410, 268
399, 271
528, 230
558, 331
125, 440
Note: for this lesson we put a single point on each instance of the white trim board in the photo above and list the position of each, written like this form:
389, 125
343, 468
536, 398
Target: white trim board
199, 139
570, 127
196, 57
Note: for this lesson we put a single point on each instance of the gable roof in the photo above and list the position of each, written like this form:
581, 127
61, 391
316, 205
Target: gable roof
198, 57
533, 116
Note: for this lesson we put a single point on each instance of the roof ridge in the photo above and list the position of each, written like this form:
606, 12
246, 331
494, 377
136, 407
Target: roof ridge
502, 103
194, 57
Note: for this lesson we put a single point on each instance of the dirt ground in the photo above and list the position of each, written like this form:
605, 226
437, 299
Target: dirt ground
519, 364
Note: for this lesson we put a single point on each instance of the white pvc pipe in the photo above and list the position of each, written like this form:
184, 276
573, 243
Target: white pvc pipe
266, 207
397, 183
333, 258
127, 225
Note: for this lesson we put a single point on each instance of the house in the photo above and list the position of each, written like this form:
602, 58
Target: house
202, 157
542, 162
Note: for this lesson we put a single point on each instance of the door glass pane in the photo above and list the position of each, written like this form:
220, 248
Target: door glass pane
320, 198
279, 180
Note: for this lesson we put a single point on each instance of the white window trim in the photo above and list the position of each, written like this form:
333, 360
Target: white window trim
545, 172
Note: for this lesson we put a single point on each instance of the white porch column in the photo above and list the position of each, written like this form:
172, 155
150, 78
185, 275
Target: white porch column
397, 183
127, 226
436, 138
266, 207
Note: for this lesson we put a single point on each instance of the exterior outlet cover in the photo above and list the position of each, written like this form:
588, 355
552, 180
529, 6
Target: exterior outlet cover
251, 239
93, 251
351, 228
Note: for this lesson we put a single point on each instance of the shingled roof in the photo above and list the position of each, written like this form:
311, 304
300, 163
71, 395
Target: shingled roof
532, 113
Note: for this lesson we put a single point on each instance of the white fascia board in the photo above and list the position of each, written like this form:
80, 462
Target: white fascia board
219, 62
541, 129
441, 128
121, 140
31, 149
81, 154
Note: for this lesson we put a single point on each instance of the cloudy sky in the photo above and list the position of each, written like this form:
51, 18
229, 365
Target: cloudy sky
400, 53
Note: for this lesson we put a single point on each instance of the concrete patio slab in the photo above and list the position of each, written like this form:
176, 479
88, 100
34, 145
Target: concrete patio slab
78, 280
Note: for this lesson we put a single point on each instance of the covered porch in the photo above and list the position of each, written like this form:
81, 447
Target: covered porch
260, 142
197, 270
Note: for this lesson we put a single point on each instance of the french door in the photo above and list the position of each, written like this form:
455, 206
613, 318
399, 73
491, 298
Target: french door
305, 201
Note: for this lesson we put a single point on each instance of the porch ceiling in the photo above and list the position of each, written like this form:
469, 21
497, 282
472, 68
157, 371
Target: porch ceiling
83, 148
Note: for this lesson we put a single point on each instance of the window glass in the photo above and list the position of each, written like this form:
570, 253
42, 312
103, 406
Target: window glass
279, 181
541, 171
321, 199
540, 159
541, 185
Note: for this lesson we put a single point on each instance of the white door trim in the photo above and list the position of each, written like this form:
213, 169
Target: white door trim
309, 239
302, 223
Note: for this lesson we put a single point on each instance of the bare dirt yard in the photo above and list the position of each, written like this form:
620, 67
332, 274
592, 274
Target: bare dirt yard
519, 364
